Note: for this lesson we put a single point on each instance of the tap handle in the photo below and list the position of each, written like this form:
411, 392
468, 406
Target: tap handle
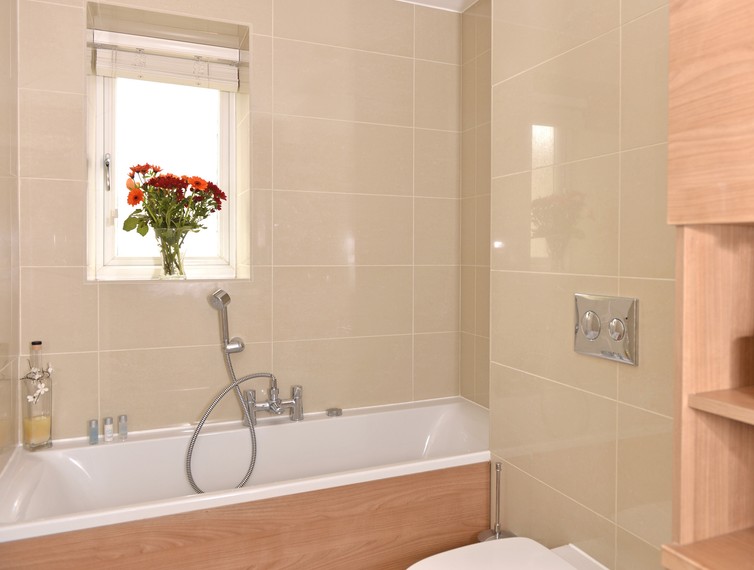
251, 398
297, 395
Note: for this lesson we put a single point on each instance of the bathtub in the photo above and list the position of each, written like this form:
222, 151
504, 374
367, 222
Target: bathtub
75, 486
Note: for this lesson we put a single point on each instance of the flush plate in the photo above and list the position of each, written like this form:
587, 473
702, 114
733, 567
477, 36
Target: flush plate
606, 327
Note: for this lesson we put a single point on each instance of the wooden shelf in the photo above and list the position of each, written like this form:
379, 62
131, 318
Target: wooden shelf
735, 404
727, 552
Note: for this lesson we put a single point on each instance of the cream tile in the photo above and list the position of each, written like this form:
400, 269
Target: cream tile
644, 81
647, 241
468, 162
482, 206
53, 222
483, 88
438, 35
261, 74
560, 436
50, 56
468, 36
526, 307
482, 371
334, 302
468, 95
151, 315
483, 159
75, 389
436, 365
436, 227
631, 9
243, 244
632, 553
8, 429
468, 299
341, 156
467, 365
645, 457
343, 84
244, 144
482, 11
51, 127
650, 384
510, 222
379, 26
437, 156
347, 373
438, 96
341, 229
532, 509
482, 302
59, 307
532, 33
261, 150
436, 291
261, 227
576, 93
468, 231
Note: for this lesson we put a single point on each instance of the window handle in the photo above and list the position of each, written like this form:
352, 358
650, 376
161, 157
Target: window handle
107, 171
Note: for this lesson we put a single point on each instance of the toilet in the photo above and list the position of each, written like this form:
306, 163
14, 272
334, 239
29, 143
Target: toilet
508, 554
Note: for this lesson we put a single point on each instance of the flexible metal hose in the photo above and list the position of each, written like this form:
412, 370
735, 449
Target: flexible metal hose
233, 385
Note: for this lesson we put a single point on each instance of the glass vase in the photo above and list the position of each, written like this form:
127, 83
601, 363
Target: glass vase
37, 412
170, 241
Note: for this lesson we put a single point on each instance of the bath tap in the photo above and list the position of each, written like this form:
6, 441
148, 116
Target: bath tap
274, 404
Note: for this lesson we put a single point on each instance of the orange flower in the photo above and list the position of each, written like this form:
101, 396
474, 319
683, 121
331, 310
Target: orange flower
198, 183
135, 196
130, 184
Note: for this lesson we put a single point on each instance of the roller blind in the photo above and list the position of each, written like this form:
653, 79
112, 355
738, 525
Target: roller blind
167, 61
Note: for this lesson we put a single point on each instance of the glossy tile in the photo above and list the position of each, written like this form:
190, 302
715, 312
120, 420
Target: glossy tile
632, 552
483, 159
482, 206
438, 96
261, 150
75, 386
436, 163
436, 226
261, 227
336, 83
532, 33
467, 366
261, 74
576, 94
436, 365
347, 373
335, 302
468, 299
650, 384
469, 87
468, 231
631, 9
644, 80
243, 243
483, 65
53, 223
482, 302
647, 241
645, 457
357, 158
558, 435
340, 229
526, 307
436, 291
469, 162
381, 26
438, 35
482, 371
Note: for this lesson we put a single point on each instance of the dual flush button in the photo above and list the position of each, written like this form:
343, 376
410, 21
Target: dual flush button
606, 327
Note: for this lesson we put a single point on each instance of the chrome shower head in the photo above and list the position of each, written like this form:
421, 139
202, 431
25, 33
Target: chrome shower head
219, 300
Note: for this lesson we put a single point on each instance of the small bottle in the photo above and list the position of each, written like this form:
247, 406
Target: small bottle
36, 398
107, 429
35, 356
123, 427
93, 432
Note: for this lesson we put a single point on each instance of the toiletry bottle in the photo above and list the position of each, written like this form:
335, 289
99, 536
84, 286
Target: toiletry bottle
123, 427
36, 394
93, 432
107, 429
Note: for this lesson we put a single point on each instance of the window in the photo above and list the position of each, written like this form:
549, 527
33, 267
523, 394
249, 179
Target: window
174, 104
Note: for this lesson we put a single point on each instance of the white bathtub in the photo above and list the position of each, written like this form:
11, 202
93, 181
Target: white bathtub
74, 485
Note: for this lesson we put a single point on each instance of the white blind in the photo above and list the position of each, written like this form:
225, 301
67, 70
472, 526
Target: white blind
166, 61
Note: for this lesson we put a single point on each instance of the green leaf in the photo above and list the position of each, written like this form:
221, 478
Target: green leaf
142, 228
130, 223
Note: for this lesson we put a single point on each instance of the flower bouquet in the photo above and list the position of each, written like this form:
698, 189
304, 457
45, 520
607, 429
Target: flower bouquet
172, 206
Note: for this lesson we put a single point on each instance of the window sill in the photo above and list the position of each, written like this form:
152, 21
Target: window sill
154, 273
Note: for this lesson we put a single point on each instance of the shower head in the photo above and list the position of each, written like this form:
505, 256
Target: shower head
219, 300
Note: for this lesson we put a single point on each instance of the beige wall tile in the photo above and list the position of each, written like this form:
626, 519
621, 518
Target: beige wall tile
529, 307
576, 93
532, 509
335, 302
468, 299
52, 222
532, 33
436, 163
436, 365
59, 307
558, 435
75, 389
343, 84
357, 158
468, 231
51, 127
341, 229
647, 241
438, 35
438, 95
379, 25
468, 94
261, 74
482, 238
482, 370
483, 159
436, 227
644, 80
8, 425
483, 65
261, 150
482, 302
631, 9
510, 223
261, 227
645, 457
436, 291
243, 245
632, 553
467, 364
347, 373
468, 162
46, 28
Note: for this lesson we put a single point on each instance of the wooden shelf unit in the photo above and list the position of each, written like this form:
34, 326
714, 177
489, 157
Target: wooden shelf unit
727, 552
736, 404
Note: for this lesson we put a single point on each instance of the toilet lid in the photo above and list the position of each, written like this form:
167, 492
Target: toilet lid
505, 554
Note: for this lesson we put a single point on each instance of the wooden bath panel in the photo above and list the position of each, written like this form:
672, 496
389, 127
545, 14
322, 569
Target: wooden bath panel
386, 524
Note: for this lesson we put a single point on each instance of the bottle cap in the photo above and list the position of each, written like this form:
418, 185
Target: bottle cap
36, 343
108, 421
93, 424
122, 419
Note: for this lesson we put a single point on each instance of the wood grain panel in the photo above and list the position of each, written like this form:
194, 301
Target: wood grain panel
727, 552
736, 404
386, 524
711, 125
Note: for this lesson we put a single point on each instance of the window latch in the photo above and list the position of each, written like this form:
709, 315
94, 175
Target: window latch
107, 171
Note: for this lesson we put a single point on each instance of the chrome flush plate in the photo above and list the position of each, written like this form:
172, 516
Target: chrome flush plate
606, 327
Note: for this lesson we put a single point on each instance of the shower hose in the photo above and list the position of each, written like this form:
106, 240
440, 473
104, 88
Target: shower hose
234, 385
